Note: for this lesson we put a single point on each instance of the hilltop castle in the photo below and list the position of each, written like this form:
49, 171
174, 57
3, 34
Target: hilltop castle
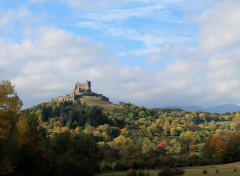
80, 90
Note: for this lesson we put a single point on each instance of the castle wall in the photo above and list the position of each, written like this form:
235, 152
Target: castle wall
69, 97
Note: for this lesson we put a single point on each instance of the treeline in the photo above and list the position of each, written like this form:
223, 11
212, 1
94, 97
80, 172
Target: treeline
27, 149
136, 137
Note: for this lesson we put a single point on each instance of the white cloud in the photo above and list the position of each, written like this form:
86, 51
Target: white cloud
227, 86
220, 26
8, 18
4, 20
148, 39
94, 4
49, 65
46, 63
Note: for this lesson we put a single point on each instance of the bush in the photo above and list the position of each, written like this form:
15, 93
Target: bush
141, 173
205, 171
235, 169
131, 172
118, 166
168, 161
166, 171
217, 171
178, 171
105, 167
195, 160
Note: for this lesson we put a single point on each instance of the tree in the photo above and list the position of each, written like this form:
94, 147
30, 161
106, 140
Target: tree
95, 116
74, 154
45, 113
232, 153
31, 157
215, 148
10, 105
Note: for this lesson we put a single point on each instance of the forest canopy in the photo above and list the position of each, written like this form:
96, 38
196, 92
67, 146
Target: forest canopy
71, 138
133, 136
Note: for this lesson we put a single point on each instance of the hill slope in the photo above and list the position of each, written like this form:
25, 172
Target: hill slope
96, 100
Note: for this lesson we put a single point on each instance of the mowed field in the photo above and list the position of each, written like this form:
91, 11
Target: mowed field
223, 170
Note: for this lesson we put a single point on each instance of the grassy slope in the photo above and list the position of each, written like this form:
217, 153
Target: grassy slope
224, 170
94, 100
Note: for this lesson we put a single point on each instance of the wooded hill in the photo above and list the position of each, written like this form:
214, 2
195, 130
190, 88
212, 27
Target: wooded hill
71, 138
137, 137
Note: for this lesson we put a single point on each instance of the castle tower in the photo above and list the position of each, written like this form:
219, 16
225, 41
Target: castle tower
88, 86
81, 88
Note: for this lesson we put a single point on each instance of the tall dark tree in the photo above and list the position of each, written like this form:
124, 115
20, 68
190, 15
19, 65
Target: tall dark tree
74, 154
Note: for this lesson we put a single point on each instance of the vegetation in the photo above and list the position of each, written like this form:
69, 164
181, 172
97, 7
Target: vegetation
139, 138
223, 170
27, 149
71, 138
131, 172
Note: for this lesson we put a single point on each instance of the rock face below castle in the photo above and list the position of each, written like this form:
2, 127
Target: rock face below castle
81, 91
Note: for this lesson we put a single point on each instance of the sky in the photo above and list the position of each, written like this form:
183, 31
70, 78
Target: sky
155, 53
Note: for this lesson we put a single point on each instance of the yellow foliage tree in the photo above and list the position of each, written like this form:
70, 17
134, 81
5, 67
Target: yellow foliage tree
10, 105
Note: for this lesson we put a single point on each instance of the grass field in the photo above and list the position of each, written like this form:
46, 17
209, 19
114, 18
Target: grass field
224, 170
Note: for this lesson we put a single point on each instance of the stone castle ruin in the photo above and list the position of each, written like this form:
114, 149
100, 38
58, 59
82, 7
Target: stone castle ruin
80, 90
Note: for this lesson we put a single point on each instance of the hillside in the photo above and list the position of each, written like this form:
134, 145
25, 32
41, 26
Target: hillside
96, 101
135, 136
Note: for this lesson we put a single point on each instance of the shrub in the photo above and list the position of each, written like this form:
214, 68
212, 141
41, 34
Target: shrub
235, 169
217, 171
141, 173
166, 171
105, 167
131, 172
205, 171
118, 166
195, 160
168, 161
178, 171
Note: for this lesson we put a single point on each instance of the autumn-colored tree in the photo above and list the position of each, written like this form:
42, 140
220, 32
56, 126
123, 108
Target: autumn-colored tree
10, 105
215, 149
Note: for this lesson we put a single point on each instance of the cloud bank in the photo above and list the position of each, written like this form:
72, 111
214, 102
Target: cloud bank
47, 61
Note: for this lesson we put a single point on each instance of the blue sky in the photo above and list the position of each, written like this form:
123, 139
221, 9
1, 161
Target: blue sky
151, 52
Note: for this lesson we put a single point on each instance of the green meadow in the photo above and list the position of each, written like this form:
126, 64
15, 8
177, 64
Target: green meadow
223, 170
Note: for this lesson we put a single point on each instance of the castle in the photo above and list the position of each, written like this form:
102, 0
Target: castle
80, 90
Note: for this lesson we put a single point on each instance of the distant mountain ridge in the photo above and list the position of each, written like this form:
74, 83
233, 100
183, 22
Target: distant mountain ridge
214, 109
